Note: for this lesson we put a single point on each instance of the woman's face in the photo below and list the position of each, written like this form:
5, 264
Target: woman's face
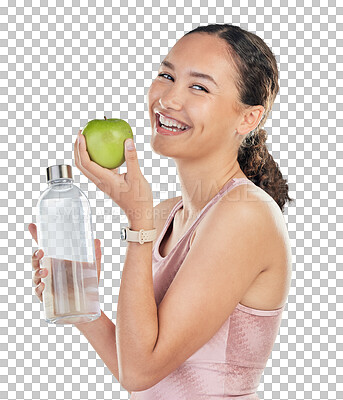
207, 106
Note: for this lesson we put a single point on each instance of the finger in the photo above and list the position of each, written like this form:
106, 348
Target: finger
81, 161
97, 251
89, 168
38, 275
98, 257
87, 165
36, 256
33, 230
39, 290
131, 159
77, 155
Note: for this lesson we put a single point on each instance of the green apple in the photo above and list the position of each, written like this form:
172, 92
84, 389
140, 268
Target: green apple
105, 140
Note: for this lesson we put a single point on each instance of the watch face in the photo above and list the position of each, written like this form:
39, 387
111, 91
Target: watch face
123, 234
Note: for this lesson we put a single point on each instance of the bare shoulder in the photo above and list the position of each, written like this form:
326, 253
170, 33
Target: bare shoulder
253, 213
243, 200
261, 213
253, 199
162, 211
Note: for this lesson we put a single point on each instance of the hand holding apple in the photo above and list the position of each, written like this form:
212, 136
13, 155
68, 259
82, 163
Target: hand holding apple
130, 190
105, 141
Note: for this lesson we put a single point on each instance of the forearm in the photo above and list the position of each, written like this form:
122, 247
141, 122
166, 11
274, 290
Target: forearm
101, 334
137, 320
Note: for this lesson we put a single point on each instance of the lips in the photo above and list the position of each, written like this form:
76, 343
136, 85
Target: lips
167, 132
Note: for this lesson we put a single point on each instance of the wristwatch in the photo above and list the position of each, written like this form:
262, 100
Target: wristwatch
140, 236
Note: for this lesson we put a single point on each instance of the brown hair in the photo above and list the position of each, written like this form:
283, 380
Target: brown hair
257, 84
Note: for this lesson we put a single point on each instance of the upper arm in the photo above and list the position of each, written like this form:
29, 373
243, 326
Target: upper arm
216, 273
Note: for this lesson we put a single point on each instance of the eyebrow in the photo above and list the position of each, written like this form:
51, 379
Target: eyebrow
192, 73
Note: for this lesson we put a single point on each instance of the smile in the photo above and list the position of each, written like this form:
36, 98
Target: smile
168, 130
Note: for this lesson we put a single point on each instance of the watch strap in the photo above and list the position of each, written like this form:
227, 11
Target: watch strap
141, 236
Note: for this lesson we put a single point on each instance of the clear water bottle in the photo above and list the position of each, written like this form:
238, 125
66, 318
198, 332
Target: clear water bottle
64, 232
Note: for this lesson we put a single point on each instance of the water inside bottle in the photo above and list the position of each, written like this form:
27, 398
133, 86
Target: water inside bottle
70, 295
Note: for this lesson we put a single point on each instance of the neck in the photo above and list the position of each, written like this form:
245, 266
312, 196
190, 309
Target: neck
199, 184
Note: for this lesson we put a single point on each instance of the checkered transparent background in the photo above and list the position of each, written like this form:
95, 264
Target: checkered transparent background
65, 64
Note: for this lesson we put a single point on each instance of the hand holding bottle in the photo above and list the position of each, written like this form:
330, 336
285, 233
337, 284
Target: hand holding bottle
42, 273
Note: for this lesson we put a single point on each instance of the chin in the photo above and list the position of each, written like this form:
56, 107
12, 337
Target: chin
157, 145
161, 146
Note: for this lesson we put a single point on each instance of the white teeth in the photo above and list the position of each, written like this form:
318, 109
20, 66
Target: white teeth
168, 122
170, 129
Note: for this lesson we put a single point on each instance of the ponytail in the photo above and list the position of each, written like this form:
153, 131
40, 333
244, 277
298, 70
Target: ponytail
260, 167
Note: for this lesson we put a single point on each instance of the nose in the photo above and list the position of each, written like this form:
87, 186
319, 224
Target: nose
171, 100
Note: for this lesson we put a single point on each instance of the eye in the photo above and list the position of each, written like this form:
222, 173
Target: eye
202, 88
164, 75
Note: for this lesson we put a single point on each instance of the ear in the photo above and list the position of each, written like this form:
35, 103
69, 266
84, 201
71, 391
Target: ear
251, 119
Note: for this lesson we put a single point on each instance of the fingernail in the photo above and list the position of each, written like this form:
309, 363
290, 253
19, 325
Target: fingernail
41, 272
39, 253
129, 144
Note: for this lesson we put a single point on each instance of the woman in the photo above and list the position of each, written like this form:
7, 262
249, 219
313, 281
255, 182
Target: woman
199, 308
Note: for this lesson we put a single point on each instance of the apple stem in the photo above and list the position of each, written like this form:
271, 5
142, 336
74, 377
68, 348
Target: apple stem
105, 118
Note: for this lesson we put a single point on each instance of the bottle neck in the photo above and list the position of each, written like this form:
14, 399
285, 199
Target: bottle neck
60, 181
